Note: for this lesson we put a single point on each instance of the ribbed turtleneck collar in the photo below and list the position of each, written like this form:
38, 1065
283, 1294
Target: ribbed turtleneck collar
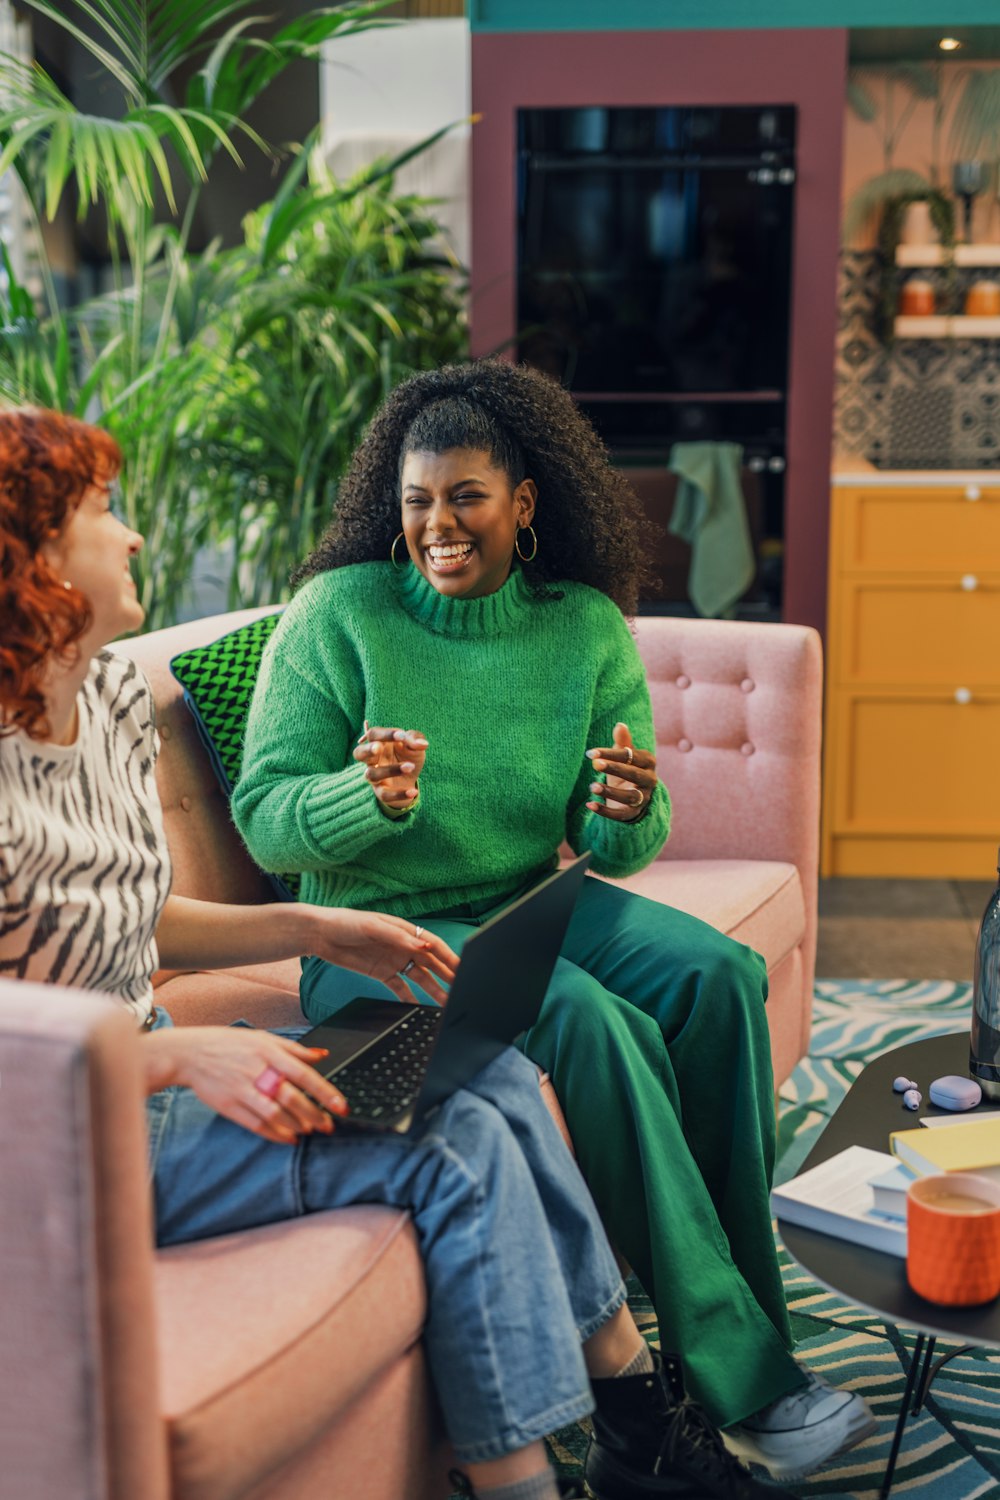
493, 614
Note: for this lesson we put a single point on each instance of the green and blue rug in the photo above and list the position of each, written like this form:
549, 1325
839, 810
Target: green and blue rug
952, 1450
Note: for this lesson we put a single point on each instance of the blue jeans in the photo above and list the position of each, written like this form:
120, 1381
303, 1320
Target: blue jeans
519, 1271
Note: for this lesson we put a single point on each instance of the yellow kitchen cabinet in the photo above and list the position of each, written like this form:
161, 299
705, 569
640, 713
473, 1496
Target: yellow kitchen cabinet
911, 779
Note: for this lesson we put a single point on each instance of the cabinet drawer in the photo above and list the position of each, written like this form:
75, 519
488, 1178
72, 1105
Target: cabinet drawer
921, 529
936, 632
923, 762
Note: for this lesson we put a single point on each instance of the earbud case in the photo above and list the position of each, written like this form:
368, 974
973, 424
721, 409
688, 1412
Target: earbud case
953, 1092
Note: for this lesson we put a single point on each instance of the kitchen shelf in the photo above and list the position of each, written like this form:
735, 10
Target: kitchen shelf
940, 326
933, 255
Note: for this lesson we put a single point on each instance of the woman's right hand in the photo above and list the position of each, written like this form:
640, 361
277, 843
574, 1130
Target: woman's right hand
223, 1064
393, 760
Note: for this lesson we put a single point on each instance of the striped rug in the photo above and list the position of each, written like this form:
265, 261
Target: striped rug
952, 1451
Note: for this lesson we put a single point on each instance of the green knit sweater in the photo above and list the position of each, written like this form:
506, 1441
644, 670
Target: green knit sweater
509, 690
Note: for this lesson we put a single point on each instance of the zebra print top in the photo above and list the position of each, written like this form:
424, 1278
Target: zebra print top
84, 866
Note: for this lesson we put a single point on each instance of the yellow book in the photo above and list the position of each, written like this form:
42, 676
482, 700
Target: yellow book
973, 1146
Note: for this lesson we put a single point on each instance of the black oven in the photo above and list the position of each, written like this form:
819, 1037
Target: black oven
654, 281
654, 247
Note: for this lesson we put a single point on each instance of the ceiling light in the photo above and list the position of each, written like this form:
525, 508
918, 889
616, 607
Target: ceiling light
949, 44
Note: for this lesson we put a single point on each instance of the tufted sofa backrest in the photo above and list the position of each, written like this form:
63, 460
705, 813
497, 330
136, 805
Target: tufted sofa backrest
737, 709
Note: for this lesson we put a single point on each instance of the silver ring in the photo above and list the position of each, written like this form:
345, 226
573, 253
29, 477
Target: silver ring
418, 932
406, 968
628, 752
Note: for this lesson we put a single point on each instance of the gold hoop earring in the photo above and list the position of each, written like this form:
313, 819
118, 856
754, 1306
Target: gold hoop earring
392, 550
534, 543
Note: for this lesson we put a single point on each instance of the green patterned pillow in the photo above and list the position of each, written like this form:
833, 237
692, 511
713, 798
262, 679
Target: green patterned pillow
218, 682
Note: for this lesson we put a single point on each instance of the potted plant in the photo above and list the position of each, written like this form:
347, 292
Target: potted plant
180, 81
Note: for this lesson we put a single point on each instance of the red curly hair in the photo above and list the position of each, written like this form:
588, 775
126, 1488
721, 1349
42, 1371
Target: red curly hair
47, 464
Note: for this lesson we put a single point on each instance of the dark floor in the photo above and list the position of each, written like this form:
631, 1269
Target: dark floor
899, 929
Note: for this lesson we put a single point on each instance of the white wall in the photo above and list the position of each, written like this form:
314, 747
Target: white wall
387, 89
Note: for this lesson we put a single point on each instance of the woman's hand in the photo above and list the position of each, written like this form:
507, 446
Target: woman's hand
382, 947
394, 759
262, 1082
627, 793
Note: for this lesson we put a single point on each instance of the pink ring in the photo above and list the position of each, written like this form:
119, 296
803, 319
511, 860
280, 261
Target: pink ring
269, 1082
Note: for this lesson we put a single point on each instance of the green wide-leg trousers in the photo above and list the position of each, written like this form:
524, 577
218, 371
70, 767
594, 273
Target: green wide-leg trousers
655, 1035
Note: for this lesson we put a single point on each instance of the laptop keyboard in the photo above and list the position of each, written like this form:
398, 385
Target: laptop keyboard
386, 1078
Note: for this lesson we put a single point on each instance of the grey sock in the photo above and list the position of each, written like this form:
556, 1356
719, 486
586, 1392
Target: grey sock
541, 1486
641, 1363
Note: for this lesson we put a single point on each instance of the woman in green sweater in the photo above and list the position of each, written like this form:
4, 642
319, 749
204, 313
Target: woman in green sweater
453, 693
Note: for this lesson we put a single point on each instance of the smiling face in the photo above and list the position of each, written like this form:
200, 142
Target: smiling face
460, 517
92, 553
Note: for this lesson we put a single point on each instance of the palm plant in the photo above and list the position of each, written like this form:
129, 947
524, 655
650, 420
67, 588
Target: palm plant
346, 291
143, 353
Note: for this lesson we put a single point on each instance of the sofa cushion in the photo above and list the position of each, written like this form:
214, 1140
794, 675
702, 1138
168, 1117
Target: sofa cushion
264, 994
265, 1334
218, 681
757, 902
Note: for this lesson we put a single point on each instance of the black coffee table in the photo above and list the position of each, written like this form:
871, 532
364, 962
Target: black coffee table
866, 1115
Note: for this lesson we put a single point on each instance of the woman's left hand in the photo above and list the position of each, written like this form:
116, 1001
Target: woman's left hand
391, 949
265, 1083
630, 778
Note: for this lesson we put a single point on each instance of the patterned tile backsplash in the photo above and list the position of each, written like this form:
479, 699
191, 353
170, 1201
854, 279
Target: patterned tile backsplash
921, 403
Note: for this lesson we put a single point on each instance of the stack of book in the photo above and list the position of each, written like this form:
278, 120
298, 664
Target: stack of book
860, 1195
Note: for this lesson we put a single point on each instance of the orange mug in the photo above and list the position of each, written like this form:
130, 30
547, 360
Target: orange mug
953, 1239
982, 300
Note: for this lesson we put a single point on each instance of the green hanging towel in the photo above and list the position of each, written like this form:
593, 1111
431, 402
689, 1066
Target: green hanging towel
710, 515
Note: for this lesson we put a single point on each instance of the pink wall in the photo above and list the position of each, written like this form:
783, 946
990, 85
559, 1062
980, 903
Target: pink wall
805, 68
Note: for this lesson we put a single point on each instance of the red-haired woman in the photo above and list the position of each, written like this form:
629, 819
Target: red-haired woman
501, 1212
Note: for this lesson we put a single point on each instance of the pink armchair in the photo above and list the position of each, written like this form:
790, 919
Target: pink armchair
279, 1364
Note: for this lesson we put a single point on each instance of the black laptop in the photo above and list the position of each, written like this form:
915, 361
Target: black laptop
394, 1062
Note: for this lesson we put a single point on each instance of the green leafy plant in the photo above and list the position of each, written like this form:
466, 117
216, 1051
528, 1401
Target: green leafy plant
347, 291
146, 356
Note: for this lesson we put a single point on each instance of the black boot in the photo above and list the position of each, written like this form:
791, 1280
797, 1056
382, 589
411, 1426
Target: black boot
650, 1441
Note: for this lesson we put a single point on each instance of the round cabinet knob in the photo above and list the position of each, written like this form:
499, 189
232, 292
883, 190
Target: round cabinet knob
972, 492
970, 582
963, 695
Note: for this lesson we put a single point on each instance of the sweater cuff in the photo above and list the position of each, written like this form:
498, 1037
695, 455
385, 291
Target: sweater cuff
345, 817
399, 812
621, 849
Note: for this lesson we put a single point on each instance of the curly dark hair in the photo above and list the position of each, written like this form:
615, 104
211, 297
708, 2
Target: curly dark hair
47, 464
591, 527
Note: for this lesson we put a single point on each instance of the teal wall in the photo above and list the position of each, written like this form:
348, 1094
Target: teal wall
708, 15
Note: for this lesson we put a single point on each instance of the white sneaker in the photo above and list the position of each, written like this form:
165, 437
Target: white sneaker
800, 1431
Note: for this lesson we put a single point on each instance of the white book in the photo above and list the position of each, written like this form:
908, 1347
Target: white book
837, 1198
889, 1191
963, 1118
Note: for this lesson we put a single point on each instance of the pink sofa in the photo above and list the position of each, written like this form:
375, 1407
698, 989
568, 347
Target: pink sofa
284, 1363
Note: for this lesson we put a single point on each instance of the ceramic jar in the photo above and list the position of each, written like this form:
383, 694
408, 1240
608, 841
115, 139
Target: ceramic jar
916, 298
982, 300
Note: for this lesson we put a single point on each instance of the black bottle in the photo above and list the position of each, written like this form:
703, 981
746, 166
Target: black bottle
984, 1045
